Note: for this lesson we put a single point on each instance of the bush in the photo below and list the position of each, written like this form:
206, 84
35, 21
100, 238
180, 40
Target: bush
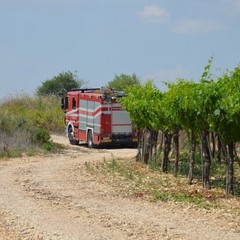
25, 123
47, 146
41, 112
40, 136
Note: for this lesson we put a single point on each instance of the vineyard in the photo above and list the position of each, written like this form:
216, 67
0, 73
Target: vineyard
208, 112
192, 126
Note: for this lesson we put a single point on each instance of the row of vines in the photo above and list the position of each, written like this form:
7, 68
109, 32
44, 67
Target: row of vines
208, 111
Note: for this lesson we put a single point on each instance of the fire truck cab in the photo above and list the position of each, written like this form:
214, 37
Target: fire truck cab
94, 116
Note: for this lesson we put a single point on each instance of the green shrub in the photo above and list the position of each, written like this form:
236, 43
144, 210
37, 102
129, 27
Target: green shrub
40, 136
26, 123
41, 112
47, 146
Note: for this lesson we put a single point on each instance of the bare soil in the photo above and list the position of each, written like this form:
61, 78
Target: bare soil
54, 197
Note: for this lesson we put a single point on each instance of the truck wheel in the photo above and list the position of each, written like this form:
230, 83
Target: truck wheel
70, 137
90, 139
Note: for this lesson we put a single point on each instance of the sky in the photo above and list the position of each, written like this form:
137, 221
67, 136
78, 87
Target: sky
159, 40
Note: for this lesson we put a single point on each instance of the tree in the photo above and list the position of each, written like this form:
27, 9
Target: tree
60, 84
122, 81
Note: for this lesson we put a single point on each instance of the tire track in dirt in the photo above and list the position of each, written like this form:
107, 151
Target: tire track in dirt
54, 197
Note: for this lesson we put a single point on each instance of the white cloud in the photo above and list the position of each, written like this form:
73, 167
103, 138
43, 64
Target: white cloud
154, 14
191, 26
167, 75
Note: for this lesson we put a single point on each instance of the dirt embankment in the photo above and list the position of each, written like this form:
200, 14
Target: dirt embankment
54, 197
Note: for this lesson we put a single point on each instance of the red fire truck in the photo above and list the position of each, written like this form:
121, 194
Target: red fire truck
94, 116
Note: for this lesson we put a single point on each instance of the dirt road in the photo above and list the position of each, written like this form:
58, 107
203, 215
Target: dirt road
54, 197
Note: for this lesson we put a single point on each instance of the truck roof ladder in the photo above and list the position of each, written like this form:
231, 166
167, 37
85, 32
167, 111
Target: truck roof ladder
82, 90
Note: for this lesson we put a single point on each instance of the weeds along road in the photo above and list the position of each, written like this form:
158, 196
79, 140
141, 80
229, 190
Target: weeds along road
54, 197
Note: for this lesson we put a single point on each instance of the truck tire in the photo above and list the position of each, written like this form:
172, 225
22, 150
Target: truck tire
90, 139
70, 137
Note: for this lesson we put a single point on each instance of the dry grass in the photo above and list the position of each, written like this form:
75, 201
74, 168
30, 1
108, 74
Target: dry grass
135, 179
25, 123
